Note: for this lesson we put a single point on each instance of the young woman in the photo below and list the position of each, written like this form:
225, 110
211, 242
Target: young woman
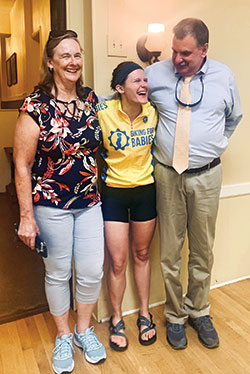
128, 194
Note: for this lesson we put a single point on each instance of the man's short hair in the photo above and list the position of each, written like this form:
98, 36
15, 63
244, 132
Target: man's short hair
194, 27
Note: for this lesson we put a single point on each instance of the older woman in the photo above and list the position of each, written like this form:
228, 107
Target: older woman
128, 194
56, 139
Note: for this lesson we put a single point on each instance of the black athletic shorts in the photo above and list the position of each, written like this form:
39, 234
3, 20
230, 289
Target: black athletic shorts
124, 204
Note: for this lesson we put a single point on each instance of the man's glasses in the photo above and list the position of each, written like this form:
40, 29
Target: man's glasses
196, 102
58, 33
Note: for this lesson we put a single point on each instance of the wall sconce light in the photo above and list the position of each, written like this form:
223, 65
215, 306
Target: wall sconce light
150, 45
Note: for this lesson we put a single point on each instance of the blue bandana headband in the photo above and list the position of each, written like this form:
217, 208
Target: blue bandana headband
123, 73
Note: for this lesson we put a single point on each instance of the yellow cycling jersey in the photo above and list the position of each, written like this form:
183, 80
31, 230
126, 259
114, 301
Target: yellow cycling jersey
127, 146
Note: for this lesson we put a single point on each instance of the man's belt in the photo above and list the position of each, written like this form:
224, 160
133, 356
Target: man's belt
211, 165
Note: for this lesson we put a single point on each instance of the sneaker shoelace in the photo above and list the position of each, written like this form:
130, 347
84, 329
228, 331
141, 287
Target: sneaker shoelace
176, 327
89, 339
205, 322
63, 348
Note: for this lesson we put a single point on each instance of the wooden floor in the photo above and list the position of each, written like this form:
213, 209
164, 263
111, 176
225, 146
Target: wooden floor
26, 345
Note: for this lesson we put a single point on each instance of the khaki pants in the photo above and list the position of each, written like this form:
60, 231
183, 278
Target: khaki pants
187, 202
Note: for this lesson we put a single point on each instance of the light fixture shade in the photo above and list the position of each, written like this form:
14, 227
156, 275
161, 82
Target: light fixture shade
156, 27
149, 46
155, 37
155, 42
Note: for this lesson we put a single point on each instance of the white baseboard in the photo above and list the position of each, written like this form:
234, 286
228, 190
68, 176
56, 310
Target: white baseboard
233, 190
131, 311
229, 282
163, 301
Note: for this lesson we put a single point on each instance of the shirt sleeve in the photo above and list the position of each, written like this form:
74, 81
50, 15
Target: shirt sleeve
92, 98
34, 106
233, 111
114, 96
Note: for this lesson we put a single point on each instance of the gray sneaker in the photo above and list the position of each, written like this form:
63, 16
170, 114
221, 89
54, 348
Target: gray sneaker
63, 354
93, 349
206, 331
176, 335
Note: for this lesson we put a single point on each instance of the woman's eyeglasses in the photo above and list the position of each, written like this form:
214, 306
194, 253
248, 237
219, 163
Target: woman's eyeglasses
196, 102
57, 33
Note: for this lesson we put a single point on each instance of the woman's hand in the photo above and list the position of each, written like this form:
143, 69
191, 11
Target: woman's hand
27, 231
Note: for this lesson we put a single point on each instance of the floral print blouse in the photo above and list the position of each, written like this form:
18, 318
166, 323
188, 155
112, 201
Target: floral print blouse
64, 173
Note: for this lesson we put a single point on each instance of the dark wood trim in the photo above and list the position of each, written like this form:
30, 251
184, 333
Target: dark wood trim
58, 22
58, 14
11, 104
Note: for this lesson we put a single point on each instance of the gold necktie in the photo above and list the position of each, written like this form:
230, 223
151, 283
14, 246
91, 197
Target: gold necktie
181, 144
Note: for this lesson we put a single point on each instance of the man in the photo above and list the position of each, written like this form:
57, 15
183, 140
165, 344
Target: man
188, 196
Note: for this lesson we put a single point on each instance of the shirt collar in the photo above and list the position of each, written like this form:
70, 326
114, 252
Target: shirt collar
145, 108
204, 67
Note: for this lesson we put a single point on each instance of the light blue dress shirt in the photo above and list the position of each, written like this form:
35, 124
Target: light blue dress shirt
213, 120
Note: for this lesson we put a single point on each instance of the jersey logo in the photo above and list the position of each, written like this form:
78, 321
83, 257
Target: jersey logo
118, 139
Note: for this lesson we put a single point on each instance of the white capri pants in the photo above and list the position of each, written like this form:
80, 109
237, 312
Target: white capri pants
73, 233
